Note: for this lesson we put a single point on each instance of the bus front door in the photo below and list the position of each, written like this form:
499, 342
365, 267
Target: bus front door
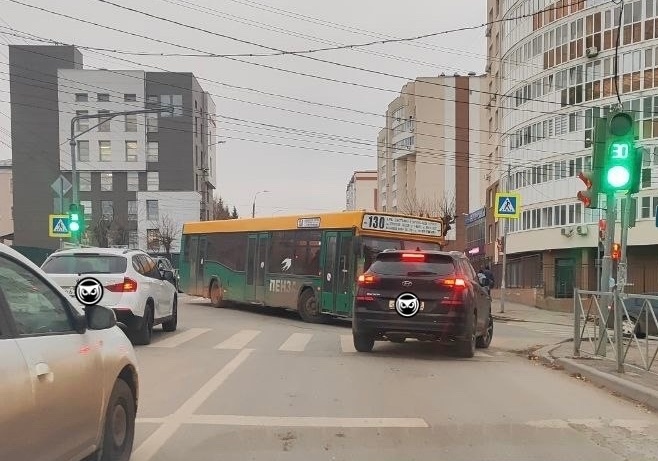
256, 265
338, 271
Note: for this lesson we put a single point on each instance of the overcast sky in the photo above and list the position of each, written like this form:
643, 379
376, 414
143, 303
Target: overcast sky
303, 173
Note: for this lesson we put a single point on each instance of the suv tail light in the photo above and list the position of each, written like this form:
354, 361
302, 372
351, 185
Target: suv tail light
453, 283
367, 279
127, 286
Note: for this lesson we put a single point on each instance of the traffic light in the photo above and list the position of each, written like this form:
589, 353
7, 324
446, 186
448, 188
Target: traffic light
621, 168
589, 196
616, 251
76, 221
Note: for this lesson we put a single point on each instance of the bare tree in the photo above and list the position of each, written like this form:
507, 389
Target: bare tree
220, 210
101, 230
443, 209
168, 232
162, 233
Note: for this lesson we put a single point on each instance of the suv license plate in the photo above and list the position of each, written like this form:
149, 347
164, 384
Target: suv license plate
70, 291
391, 304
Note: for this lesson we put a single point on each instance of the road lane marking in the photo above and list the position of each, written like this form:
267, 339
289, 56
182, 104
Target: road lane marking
149, 448
347, 343
180, 338
304, 421
296, 342
238, 340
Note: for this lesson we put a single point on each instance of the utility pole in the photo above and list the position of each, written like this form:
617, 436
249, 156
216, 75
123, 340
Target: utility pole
253, 205
606, 268
504, 271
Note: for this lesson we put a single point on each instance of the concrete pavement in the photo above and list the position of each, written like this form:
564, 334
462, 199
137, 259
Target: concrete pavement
635, 383
259, 384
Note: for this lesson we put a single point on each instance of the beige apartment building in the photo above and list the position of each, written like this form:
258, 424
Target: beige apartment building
362, 192
433, 150
6, 203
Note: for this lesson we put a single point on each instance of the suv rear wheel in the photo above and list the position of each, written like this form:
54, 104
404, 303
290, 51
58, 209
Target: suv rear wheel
142, 336
171, 324
363, 342
466, 348
484, 341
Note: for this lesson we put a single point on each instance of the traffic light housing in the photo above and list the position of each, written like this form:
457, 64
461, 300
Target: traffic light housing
76, 220
616, 251
589, 196
621, 167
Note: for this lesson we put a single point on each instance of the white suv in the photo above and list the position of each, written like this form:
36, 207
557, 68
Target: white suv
140, 295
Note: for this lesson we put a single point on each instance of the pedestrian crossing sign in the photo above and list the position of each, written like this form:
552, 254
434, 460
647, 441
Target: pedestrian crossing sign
508, 205
58, 226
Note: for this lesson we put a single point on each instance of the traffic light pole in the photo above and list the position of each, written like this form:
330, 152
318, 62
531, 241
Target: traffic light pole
503, 276
606, 268
622, 266
72, 141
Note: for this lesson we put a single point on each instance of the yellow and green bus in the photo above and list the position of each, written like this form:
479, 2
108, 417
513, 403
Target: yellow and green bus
309, 263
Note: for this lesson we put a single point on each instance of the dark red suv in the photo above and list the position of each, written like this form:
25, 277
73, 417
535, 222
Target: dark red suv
426, 295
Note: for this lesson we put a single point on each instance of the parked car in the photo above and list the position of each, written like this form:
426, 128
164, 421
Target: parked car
140, 295
165, 265
69, 377
427, 295
636, 321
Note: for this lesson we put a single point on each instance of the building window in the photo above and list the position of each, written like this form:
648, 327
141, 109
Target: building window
133, 240
106, 181
82, 124
152, 180
130, 97
646, 177
81, 97
646, 207
131, 151
152, 152
153, 239
104, 122
132, 210
151, 123
133, 181
152, 210
103, 97
107, 210
131, 122
83, 151
84, 178
86, 204
176, 100
105, 151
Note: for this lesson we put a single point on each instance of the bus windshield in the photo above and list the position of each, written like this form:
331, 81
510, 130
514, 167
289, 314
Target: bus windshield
372, 246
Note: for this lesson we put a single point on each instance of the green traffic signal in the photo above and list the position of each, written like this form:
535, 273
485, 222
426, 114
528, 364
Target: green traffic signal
620, 170
75, 225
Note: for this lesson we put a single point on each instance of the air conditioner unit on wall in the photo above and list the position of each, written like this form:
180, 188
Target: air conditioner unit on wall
582, 230
592, 52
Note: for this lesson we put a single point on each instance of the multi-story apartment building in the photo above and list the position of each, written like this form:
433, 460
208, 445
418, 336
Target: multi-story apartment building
6, 203
139, 175
361, 193
433, 148
556, 73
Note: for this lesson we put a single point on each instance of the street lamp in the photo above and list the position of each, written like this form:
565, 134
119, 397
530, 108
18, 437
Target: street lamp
253, 205
106, 117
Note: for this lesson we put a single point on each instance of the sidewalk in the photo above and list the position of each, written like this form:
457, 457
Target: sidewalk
522, 313
635, 384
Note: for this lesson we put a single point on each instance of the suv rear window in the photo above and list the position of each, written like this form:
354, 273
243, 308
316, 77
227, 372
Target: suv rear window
394, 264
85, 264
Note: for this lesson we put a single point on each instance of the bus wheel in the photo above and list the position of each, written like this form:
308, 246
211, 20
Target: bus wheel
308, 307
216, 294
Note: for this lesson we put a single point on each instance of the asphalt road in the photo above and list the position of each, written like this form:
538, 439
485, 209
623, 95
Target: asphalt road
259, 384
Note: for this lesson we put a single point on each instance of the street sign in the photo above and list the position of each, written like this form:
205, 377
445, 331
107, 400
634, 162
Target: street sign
58, 225
61, 186
508, 205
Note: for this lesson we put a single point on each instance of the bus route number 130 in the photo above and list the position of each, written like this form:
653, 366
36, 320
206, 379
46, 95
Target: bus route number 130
377, 222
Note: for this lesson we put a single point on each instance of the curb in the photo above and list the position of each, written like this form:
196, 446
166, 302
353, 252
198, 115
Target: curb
628, 389
544, 354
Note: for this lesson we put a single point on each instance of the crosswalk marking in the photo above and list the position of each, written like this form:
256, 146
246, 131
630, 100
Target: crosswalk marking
180, 338
347, 343
238, 340
296, 342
